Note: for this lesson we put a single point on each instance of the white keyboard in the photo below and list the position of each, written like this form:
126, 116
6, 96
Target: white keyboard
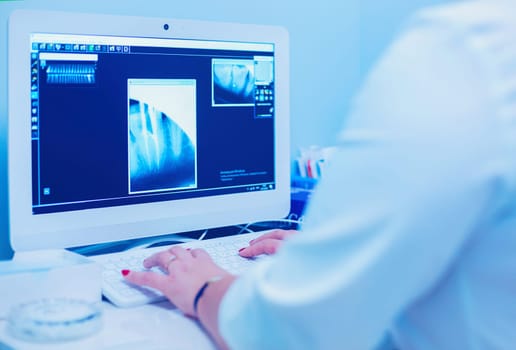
223, 250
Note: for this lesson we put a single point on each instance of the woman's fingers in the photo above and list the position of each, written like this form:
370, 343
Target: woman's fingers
147, 278
165, 257
267, 243
264, 246
275, 234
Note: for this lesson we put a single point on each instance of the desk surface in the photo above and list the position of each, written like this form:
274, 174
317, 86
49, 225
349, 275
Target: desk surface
157, 326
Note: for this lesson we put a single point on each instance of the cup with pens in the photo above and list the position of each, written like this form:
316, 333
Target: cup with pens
308, 168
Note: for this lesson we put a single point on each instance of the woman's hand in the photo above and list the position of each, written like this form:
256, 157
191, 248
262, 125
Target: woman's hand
187, 271
266, 244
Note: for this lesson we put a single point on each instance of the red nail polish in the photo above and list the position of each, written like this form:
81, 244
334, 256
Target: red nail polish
125, 272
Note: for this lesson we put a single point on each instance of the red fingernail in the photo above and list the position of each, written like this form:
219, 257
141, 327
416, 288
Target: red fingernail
125, 272
241, 249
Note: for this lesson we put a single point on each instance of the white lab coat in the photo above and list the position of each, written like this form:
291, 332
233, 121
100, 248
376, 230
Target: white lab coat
412, 231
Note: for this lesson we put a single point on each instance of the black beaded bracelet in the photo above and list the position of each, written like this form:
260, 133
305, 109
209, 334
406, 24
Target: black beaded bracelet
202, 289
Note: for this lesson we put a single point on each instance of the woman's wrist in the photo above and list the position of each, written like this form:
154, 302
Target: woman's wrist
201, 290
207, 305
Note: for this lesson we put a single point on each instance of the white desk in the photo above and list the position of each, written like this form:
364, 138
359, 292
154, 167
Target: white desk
151, 327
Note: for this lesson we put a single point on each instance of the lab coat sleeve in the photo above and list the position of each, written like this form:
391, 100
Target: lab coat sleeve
401, 197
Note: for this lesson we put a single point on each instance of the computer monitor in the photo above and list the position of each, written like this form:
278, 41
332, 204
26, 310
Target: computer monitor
123, 127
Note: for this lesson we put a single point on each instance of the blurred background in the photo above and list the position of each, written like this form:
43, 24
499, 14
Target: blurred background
333, 43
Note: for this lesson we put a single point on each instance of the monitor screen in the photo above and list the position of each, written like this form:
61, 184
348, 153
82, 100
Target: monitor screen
138, 127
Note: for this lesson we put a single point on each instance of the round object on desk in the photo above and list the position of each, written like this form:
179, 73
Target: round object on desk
51, 320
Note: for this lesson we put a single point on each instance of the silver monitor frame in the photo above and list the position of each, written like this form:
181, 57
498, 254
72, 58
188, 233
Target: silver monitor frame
91, 226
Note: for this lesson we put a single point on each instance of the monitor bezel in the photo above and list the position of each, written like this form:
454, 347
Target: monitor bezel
92, 226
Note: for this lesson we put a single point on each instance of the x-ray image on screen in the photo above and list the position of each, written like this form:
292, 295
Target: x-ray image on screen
233, 82
162, 144
264, 70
